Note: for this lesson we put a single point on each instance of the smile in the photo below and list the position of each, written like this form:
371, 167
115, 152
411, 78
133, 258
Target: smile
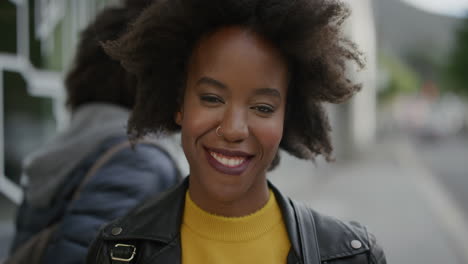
228, 162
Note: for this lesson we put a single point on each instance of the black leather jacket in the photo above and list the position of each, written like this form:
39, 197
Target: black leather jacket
152, 231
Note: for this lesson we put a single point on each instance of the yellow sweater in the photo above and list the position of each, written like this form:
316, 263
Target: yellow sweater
257, 238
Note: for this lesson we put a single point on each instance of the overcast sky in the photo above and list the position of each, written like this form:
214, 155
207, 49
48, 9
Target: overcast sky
457, 8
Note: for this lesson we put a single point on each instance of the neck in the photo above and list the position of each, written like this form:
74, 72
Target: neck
229, 205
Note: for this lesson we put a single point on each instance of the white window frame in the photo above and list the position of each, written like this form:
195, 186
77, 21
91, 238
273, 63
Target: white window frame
49, 14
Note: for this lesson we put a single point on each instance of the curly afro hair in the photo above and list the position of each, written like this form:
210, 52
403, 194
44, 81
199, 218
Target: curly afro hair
94, 76
307, 32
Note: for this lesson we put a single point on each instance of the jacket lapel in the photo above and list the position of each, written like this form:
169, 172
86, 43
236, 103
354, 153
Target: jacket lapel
171, 253
159, 219
289, 219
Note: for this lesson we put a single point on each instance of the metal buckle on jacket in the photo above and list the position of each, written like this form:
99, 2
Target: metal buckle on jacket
120, 258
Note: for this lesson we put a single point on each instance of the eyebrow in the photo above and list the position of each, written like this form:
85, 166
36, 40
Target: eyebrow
210, 81
261, 91
268, 91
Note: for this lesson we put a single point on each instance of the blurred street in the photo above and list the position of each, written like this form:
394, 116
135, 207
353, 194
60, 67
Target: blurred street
392, 191
447, 158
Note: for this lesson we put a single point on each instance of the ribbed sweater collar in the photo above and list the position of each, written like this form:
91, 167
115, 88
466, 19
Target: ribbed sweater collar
231, 229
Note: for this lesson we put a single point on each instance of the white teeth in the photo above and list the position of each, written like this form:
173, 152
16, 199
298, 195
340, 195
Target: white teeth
231, 163
226, 161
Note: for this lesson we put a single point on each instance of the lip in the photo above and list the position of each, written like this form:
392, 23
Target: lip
224, 169
232, 153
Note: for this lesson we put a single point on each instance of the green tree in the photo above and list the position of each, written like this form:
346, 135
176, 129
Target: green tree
457, 68
402, 78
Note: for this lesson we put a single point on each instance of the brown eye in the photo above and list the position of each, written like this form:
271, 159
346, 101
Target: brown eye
211, 99
264, 109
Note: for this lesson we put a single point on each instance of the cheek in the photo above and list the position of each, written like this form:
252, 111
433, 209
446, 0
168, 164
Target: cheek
193, 127
269, 135
196, 122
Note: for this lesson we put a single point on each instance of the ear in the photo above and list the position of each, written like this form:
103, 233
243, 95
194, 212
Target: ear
179, 116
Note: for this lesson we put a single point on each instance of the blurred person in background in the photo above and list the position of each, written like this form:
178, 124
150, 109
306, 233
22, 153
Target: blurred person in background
100, 95
240, 79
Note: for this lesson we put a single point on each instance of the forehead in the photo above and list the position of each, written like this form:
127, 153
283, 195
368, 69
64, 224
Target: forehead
233, 52
235, 38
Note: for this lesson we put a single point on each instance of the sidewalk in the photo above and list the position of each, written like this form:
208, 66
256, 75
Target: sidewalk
387, 189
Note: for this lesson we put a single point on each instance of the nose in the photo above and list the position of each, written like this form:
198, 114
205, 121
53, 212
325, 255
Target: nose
234, 125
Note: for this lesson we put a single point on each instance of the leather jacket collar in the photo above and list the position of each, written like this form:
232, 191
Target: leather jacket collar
159, 221
167, 212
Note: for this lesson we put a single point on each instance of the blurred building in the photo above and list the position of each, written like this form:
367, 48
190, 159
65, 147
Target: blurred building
354, 123
41, 39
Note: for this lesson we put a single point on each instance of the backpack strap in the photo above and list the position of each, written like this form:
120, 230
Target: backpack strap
109, 154
307, 233
120, 253
98, 164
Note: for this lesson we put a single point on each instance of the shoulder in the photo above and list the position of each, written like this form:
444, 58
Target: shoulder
340, 239
158, 217
144, 161
155, 224
143, 154
127, 177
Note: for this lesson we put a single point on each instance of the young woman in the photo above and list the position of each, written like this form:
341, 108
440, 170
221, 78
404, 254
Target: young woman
240, 79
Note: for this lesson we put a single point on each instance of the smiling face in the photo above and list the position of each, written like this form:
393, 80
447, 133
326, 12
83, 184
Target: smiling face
237, 81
